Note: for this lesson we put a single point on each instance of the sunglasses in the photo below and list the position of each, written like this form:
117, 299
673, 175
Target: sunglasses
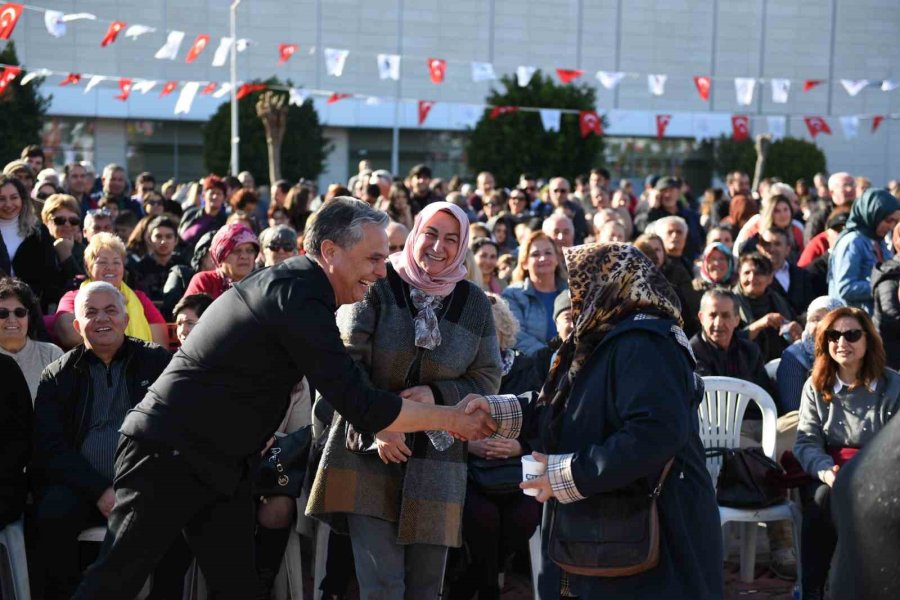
60, 221
19, 312
851, 335
282, 247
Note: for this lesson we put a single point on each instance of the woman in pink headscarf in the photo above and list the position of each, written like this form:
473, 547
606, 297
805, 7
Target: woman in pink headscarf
234, 250
427, 333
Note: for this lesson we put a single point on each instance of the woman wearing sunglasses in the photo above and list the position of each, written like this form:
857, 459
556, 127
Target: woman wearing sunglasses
62, 216
849, 398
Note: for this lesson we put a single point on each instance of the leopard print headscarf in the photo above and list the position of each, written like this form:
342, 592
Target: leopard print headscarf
608, 283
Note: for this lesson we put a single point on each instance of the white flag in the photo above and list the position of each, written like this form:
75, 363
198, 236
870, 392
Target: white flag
550, 119
482, 71
850, 125
169, 50
389, 66
777, 126
35, 74
221, 55
887, 85
743, 87
242, 44
335, 58
524, 75
53, 21
143, 86
223, 90
136, 31
656, 84
298, 97
610, 79
780, 90
854, 86
373, 101
94, 82
186, 98
78, 17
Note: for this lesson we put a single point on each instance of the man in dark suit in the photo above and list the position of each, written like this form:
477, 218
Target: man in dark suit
792, 282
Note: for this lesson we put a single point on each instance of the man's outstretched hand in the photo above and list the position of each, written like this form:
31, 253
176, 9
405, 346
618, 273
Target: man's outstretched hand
473, 419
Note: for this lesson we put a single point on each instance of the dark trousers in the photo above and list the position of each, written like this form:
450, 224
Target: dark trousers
158, 495
818, 538
493, 525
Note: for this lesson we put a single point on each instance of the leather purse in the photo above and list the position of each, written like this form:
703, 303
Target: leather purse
283, 468
495, 477
615, 534
748, 478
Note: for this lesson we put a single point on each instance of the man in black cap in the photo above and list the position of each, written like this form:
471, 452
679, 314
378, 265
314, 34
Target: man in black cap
421, 194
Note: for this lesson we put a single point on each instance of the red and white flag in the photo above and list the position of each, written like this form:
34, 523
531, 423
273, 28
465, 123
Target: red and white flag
589, 122
9, 16
208, 89
502, 110
286, 51
7, 76
112, 33
811, 83
816, 125
424, 109
569, 75
740, 127
662, 122
197, 48
71, 79
168, 88
702, 82
335, 97
124, 89
876, 121
656, 84
437, 68
249, 88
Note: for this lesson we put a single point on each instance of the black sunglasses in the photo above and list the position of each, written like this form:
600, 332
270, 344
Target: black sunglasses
851, 335
20, 312
60, 221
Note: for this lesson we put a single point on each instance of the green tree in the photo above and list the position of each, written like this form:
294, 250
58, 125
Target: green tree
789, 159
516, 143
302, 155
22, 111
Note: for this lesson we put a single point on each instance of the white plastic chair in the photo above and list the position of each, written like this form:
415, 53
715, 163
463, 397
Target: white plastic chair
534, 551
721, 413
14, 571
772, 369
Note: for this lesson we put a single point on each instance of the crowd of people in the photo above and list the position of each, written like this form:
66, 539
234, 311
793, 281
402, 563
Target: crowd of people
534, 296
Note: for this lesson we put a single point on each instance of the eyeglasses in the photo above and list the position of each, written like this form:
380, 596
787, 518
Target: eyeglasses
19, 312
851, 335
282, 247
60, 221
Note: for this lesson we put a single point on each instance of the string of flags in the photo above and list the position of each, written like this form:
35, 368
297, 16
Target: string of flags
436, 68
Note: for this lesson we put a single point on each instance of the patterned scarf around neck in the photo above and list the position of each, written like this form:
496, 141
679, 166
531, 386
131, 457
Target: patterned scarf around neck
428, 333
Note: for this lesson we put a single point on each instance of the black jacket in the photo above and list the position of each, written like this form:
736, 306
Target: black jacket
227, 388
742, 360
15, 439
801, 291
37, 264
885, 285
63, 406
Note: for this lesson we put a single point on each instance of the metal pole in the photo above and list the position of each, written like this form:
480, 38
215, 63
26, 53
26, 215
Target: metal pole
831, 55
235, 135
395, 134
762, 56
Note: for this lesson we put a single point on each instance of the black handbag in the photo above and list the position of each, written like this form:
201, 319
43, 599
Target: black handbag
748, 478
283, 468
494, 477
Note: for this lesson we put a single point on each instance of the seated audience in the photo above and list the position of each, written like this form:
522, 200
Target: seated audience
767, 316
16, 419
234, 249
486, 252
180, 275
673, 231
789, 280
95, 221
278, 244
187, 312
150, 274
62, 216
716, 268
210, 215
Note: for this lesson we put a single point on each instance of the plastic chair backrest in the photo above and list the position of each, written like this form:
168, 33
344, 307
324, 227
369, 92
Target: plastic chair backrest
772, 369
722, 412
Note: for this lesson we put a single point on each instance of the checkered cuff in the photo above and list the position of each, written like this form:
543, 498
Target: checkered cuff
507, 412
559, 469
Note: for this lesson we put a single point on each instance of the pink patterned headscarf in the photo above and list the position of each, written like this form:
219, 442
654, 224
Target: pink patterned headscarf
409, 270
228, 238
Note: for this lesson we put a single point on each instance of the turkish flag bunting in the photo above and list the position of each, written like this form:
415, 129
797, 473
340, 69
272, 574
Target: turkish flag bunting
168, 88
285, 51
590, 123
740, 127
9, 16
702, 83
816, 125
876, 121
811, 83
6, 77
335, 97
71, 78
198, 47
424, 109
569, 75
662, 121
112, 33
248, 88
124, 89
209, 89
437, 67
502, 110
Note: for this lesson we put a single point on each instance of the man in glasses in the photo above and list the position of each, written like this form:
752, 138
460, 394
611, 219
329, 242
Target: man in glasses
278, 244
789, 280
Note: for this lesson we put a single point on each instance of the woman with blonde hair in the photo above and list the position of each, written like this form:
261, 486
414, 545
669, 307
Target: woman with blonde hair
62, 216
777, 212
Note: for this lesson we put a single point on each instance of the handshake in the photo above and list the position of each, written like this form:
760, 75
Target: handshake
468, 420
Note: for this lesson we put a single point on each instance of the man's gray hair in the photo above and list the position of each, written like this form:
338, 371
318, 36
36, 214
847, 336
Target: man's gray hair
97, 287
111, 168
340, 220
721, 293
660, 225
382, 174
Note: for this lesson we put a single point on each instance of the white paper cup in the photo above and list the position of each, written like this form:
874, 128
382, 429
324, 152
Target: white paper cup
531, 469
